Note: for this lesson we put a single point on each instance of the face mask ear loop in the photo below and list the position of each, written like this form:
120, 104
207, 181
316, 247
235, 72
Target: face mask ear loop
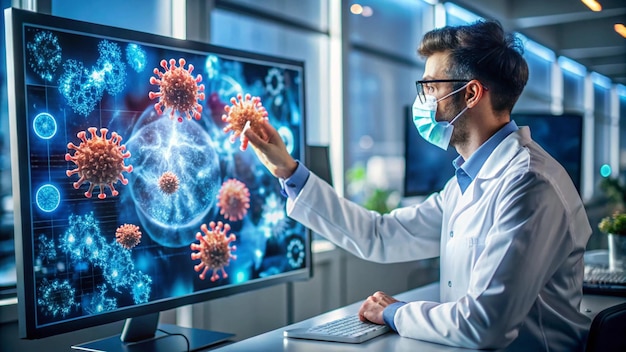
459, 115
453, 92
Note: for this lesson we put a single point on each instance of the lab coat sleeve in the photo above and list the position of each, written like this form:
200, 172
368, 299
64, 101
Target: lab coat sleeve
529, 240
405, 234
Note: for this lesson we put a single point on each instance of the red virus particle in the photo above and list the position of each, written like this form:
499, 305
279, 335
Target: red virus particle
242, 112
178, 90
217, 107
214, 250
233, 199
128, 235
99, 161
168, 182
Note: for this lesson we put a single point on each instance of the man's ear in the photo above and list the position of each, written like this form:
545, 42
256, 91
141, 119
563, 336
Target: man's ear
473, 93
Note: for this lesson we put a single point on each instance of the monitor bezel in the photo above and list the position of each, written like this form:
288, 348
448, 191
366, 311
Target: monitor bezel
15, 20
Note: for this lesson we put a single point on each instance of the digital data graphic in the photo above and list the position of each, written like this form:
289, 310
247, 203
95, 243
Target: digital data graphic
143, 185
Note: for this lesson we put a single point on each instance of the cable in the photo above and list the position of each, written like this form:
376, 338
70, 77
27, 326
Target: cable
176, 334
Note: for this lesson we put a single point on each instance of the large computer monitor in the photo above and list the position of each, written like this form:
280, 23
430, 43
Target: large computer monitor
561, 136
428, 168
131, 194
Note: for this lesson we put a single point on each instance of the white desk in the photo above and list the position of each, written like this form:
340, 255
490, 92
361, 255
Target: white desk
274, 340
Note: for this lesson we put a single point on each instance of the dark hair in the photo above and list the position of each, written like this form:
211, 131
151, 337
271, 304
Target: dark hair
482, 51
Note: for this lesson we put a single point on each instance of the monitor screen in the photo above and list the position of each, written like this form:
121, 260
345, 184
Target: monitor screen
133, 191
427, 167
559, 135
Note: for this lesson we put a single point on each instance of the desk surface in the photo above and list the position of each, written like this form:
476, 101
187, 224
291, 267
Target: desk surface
274, 340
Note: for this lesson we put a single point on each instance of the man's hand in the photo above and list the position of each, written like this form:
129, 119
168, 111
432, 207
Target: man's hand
372, 309
271, 152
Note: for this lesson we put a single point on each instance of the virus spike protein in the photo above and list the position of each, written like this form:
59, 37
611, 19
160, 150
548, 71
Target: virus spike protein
245, 110
178, 90
213, 250
99, 161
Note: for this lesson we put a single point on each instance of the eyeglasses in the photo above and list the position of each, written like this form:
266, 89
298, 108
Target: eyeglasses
421, 90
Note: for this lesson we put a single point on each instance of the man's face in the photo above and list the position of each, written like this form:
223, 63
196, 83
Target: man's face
436, 68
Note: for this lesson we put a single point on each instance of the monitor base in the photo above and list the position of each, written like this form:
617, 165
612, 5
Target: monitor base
161, 342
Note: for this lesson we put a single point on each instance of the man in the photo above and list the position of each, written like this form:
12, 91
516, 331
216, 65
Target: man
509, 227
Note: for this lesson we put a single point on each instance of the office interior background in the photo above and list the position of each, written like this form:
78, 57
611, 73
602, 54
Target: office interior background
361, 67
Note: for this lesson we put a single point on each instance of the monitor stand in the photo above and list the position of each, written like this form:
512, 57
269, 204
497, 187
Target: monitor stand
144, 333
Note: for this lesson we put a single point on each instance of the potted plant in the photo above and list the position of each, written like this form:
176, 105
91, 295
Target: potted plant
615, 228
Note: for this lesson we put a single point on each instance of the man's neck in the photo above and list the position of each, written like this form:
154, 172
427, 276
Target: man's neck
480, 134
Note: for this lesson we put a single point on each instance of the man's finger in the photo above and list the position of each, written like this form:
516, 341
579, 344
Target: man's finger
252, 137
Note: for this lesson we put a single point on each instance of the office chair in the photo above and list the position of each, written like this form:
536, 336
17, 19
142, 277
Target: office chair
608, 330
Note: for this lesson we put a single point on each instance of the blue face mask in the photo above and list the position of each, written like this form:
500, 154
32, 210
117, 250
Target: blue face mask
435, 132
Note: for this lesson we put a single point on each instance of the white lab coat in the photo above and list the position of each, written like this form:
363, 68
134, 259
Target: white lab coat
511, 251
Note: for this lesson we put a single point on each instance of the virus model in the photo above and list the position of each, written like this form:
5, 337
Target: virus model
233, 199
56, 298
213, 251
168, 182
99, 161
128, 235
178, 90
245, 111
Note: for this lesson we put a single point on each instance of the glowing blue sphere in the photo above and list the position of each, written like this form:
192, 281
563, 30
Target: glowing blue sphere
45, 125
48, 198
605, 170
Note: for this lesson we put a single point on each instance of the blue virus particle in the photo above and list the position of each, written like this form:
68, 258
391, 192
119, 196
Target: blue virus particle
44, 54
81, 88
136, 57
56, 298
100, 302
274, 82
46, 250
295, 252
118, 267
212, 67
48, 198
45, 125
274, 215
186, 150
110, 68
141, 287
287, 136
82, 240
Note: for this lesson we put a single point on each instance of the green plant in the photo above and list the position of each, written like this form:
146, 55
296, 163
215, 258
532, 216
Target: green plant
614, 191
614, 224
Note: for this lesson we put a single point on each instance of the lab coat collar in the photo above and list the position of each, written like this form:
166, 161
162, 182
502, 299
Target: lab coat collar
504, 153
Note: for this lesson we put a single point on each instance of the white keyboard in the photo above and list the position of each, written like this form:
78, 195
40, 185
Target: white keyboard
347, 329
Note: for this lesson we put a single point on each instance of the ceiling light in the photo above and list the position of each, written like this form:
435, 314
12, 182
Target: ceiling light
356, 9
621, 29
593, 5
367, 11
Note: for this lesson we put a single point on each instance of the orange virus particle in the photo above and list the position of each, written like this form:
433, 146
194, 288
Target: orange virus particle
99, 161
244, 111
214, 250
178, 90
168, 182
233, 199
128, 235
